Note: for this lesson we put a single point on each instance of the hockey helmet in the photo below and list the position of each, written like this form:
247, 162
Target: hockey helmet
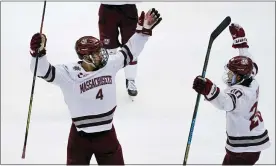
91, 51
238, 69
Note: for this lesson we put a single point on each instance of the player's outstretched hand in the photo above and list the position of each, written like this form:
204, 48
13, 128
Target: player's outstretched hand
238, 36
147, 22
38, 44
202, 85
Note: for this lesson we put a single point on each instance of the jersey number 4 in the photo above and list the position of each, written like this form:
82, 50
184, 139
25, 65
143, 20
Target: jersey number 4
256, 117
99, 94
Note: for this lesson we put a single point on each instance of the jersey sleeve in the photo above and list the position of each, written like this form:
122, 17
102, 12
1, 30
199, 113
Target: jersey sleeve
50, 73
228, 100
245, 52
130, 51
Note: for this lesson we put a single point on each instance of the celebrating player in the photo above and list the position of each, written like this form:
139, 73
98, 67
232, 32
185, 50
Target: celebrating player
246, 134
89, 90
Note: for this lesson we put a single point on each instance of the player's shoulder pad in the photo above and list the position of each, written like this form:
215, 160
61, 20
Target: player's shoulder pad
72, 67
235, 93
236, 90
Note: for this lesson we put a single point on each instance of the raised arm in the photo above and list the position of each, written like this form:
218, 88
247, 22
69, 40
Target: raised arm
227, 100
132, 49
240, 42
46, 71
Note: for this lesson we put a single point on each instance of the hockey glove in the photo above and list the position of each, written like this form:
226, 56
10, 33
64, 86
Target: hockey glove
238, 36
38, 44
147, 22
205, 87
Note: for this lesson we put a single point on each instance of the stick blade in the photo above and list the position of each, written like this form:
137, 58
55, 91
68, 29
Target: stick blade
224, 24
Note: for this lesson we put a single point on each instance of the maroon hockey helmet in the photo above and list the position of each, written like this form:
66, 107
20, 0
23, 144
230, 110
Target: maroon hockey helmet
87, 47
239, 69
241, 65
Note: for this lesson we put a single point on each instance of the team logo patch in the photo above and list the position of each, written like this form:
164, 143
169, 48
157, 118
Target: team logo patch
84, 41
77, 68
106, 41
244, 62
81, 75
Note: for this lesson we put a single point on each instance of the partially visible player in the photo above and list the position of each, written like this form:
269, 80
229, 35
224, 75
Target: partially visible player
89, 91
119, 18
246, 133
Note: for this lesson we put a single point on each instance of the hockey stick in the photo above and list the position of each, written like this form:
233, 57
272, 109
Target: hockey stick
32, 92
224, 24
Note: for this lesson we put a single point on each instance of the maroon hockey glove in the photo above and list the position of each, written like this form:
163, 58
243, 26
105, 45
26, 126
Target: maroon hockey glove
202, 85
205, 87
238, 36
37, 45
147, 22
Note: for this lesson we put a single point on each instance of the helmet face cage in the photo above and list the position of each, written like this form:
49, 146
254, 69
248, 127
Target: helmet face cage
104, 57
93, 58
229, 77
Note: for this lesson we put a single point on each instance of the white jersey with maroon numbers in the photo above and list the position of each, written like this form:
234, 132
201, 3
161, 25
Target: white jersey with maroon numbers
244, 123
91, 96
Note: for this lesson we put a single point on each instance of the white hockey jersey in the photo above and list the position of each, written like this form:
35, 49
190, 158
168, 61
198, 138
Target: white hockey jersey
91, 96
244, 123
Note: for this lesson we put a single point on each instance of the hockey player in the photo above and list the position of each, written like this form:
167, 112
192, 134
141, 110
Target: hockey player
246, 134
123, 16
89, 90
